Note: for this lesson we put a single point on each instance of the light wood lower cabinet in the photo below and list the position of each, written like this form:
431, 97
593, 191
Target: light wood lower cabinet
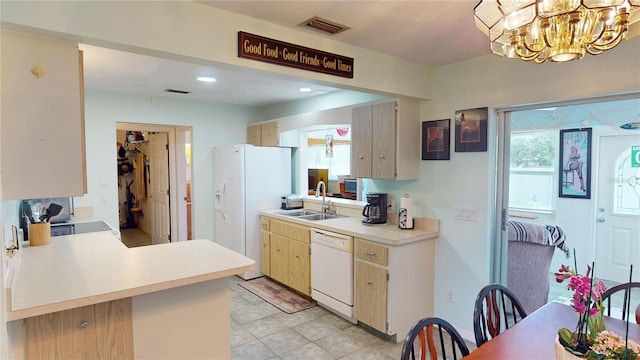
280, 258
100, 331
371, 294
299, 265
290, 259
393, 284
265, 254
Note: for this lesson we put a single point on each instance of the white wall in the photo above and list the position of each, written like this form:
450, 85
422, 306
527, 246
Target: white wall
212, 125
186, 30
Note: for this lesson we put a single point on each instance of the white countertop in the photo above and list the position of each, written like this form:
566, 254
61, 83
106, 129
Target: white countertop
388, 234
86, 269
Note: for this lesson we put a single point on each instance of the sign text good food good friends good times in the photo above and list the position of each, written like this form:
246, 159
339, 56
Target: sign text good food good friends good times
278, 52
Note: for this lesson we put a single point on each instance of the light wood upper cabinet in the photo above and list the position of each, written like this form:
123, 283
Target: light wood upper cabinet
254, 134
100, 331
265, 134
361, 138
270, 134
385, 140
42, 131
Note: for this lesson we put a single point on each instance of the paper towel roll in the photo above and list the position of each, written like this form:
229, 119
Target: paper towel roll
407, 205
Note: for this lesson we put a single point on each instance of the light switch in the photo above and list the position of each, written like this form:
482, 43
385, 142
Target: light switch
103, 198
466, 213
103, 181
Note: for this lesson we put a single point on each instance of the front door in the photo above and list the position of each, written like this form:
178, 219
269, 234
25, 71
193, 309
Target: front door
159, 158
618, 209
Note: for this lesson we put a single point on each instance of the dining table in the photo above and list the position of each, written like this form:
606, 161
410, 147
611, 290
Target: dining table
534, 336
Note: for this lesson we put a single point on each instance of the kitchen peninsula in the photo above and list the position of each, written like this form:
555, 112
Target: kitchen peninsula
89, 293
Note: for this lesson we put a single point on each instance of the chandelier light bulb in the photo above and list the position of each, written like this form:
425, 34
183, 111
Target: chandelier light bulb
556, 30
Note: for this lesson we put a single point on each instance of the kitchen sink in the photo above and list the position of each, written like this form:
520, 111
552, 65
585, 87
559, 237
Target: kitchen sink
301, 212
319, 216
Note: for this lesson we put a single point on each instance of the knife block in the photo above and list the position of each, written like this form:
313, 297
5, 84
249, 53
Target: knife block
39, 234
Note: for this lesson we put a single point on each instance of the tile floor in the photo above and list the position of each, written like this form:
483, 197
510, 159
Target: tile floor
261, 331
134, 237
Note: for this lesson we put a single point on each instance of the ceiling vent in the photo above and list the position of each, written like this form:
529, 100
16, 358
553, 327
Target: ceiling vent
323, 25
174, 91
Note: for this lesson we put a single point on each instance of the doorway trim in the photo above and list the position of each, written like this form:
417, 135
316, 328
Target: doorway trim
498, 240
177, 173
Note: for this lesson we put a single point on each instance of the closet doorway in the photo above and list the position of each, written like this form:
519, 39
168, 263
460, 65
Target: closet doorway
154, 183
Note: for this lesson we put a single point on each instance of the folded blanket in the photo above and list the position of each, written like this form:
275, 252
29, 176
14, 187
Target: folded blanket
550, 235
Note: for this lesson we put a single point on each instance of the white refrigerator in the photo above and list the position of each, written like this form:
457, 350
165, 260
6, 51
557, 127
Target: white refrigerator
248, 179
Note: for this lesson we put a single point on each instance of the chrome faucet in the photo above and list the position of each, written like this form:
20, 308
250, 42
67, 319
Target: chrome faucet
323, 187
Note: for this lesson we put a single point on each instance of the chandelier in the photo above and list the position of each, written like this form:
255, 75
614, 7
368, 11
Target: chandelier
556, 30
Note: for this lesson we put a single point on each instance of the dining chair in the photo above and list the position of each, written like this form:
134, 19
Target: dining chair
422, 341
496, 308
612, 300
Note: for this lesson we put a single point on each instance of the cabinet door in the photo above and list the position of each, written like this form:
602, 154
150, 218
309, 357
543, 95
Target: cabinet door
299, 267
371, 286
265, 255
100, 331
383, 153
42, 116
279, 258
254, 135
361, 137
270, 134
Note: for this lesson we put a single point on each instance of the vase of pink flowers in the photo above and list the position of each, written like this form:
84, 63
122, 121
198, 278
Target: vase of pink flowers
589, 339
587, 302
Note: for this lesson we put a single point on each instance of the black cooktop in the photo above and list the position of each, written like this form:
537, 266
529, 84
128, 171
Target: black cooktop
79, 228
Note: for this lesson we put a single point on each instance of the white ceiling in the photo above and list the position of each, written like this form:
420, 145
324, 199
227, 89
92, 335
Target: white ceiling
427, 32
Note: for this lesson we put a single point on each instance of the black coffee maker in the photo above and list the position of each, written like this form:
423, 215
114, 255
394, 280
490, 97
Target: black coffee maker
375, 212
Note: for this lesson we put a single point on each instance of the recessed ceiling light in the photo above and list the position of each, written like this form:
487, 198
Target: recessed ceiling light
206, 79
305, 89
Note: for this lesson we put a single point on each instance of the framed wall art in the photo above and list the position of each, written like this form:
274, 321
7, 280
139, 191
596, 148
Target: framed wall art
471, 130
575, 163
436, 140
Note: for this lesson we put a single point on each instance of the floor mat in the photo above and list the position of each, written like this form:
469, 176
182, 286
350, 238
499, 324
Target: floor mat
277, 295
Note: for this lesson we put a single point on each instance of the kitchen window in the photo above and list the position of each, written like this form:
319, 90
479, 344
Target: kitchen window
336, 157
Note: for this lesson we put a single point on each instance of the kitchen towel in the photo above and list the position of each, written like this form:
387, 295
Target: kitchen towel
406, 213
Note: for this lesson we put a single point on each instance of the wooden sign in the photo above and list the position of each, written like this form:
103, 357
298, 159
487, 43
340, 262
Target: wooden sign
281, 53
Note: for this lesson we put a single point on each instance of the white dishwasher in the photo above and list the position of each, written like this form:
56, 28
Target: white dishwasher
332, 270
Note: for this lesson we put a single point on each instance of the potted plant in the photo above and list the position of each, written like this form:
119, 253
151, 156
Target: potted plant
589, 339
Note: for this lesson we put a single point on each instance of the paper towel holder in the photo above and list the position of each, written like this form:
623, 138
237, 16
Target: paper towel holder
403, 217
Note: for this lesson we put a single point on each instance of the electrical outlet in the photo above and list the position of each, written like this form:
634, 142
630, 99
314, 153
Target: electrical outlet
451, 296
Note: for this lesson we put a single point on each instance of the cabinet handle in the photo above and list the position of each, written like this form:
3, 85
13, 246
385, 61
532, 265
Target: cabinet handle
84, 324
369, 282
297, 256
382, 156
360, 157
369, 253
